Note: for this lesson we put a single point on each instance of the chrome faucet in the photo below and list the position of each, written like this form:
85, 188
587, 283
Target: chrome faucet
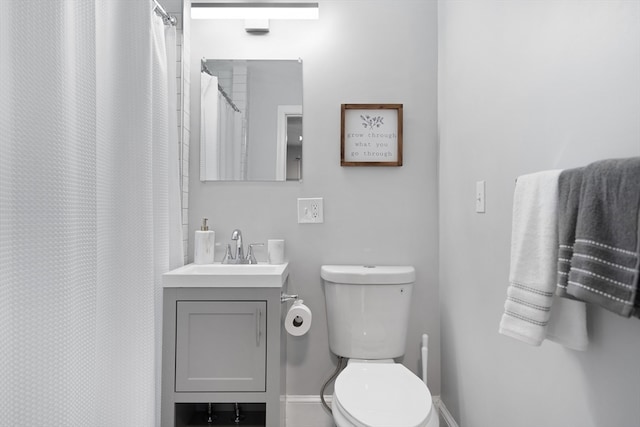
239, 257
237, 236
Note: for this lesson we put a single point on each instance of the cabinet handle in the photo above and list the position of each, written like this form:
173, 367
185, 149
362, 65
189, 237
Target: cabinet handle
258, 319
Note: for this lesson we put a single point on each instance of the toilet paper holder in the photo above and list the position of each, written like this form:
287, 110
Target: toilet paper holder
286, 297
297, 322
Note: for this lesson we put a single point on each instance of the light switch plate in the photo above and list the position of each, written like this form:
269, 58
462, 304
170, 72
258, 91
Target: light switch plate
310, 210
480, 202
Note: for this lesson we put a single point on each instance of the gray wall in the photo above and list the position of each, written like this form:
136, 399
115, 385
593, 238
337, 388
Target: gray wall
381, 51
528, 86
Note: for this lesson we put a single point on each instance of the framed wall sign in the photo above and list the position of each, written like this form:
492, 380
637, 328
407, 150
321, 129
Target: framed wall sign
371, 135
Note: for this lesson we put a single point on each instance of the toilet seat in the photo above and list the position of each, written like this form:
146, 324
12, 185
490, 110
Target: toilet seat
382, 395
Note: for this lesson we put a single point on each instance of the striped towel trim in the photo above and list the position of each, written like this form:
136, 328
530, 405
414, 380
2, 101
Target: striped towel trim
525, 319
532, 290
604, 294
565, 253
605, 275
602, 245
606, 279
602, 261
529, 304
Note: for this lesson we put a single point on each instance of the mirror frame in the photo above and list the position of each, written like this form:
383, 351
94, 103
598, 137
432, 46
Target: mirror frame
283, 112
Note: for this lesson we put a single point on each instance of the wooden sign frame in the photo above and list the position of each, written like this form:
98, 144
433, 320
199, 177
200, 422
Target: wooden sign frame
371, 135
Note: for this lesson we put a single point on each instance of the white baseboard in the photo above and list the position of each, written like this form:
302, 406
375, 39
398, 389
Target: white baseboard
307, 411
445, 415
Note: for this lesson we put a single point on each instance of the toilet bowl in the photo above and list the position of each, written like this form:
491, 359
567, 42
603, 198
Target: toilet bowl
381, 394
368, 317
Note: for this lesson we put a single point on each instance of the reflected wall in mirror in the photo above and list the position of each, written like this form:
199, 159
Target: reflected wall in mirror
250, 120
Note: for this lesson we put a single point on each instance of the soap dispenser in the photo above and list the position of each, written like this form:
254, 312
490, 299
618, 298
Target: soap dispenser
204, 244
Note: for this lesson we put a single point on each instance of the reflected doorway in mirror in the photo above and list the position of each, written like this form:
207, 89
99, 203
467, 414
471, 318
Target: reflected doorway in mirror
289, 141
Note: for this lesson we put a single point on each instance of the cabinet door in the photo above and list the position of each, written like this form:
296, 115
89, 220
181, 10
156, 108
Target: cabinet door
220, 345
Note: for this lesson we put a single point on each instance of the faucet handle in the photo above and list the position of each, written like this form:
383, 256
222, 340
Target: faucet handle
228, 258
250, 258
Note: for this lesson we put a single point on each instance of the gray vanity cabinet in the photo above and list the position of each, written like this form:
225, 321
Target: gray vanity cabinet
220, 345
223, 346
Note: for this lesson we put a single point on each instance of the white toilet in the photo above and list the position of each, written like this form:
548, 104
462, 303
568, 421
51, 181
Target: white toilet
368, 315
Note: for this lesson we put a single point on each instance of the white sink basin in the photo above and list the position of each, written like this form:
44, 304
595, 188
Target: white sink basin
227, 276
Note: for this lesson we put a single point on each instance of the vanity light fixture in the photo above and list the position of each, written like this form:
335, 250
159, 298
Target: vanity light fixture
255, 11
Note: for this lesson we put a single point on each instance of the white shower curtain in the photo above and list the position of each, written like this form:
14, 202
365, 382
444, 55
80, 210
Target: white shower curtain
227, 139
220, 134
85, 155
209, 128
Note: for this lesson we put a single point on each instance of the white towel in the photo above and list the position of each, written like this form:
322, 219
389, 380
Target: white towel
534, 246
528, 314
568, 323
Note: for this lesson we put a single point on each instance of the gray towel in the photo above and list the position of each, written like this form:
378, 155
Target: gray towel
604, 266
569, 184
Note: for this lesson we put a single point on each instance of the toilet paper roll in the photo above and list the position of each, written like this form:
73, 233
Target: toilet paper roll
298, 320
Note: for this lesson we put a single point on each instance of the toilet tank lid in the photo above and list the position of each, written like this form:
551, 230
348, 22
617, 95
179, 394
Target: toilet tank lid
368, 274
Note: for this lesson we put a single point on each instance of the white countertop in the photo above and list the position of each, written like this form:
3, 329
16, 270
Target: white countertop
218, 275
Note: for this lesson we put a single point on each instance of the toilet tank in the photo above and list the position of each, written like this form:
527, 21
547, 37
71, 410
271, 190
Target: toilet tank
368, 309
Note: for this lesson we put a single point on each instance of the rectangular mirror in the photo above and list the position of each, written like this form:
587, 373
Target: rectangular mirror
250, 120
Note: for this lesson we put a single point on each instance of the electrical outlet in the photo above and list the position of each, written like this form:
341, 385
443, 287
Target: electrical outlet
310, 211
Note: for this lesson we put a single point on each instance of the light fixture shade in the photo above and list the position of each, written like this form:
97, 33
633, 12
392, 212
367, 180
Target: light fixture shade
254, 11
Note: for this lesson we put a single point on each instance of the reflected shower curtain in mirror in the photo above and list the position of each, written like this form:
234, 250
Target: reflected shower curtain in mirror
84, 211
221, 134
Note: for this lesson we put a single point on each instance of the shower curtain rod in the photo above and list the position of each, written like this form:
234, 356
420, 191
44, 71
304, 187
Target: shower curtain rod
168, 19
204, 69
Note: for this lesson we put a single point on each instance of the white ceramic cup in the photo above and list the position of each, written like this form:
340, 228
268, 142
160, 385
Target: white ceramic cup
275, 251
